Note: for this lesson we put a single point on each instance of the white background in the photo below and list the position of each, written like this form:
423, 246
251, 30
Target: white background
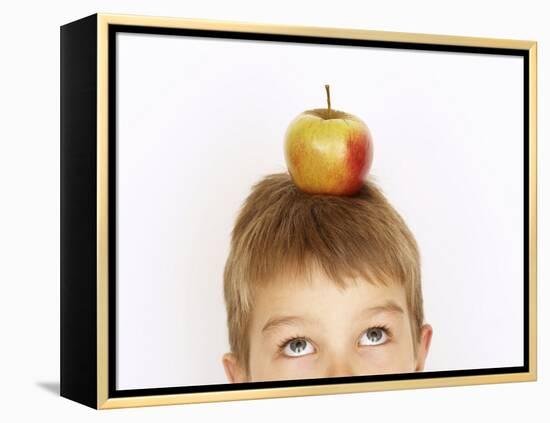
29, 172
201, 120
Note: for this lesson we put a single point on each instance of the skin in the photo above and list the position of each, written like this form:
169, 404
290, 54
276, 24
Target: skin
332, 327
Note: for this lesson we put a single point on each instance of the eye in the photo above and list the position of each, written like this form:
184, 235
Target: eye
374, 336
297, 347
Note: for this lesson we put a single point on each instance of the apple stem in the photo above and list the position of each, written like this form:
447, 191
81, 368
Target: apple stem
327, 87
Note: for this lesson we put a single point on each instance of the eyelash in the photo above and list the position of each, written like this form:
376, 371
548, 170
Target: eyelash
383, 327
283, 343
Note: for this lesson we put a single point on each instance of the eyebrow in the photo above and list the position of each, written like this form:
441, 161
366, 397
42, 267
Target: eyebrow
277, 321
389, 306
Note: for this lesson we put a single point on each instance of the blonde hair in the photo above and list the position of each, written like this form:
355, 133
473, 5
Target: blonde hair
280, 229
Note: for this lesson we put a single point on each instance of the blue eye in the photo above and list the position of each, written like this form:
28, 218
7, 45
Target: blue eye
374, 336
297, 347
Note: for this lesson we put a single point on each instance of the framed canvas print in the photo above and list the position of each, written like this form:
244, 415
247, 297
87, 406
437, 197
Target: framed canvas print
259, 211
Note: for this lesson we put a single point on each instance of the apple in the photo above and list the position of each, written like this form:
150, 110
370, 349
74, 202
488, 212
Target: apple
328, 151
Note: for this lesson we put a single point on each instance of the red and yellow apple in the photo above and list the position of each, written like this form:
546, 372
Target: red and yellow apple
328, 151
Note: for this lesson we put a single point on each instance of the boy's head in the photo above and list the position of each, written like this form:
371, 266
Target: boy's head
321, 286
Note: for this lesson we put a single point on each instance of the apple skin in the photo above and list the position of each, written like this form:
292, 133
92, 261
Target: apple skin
328, 152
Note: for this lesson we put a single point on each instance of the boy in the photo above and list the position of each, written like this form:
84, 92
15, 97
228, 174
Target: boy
321, 286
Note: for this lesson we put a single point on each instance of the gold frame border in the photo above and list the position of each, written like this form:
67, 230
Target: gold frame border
103, 20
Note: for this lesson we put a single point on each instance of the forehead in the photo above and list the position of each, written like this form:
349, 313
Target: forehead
319, 298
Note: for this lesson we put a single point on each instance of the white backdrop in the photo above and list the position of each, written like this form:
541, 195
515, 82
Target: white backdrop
200, 120
29, 218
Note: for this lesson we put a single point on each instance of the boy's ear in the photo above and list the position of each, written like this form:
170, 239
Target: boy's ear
424, 346
233, 369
